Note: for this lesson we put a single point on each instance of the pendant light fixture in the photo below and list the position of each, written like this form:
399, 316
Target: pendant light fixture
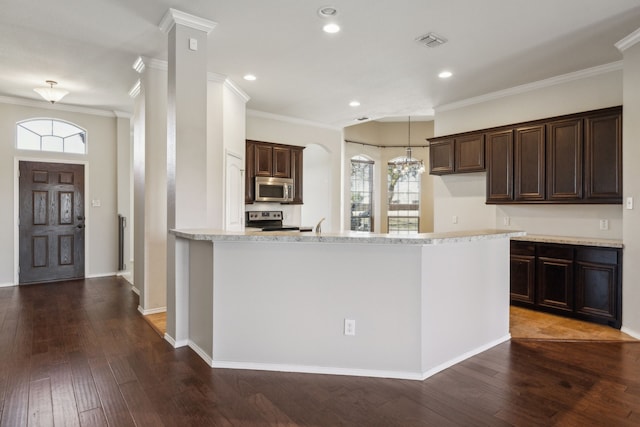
409, 166
50, 93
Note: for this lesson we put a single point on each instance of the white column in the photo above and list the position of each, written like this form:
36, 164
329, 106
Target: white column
186, 149
630, 47
150, 183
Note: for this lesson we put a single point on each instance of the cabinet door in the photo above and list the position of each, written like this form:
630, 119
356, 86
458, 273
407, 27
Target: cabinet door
554, 273
500, 166
530, 163
263, 160
597, 285
564, 160
296, 172
523, 278
250, 174
603, 158
281, 162
469, 153
441, 157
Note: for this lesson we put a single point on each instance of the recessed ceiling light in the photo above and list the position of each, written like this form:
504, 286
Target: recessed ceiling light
249, 77
354, 104
327, 11
445, 74
331, 28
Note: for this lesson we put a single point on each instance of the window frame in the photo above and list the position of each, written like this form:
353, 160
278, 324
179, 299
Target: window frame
371, 164
407, 207
82, 132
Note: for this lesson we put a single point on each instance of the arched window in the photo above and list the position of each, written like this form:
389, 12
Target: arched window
51, 135
361, 194
403, 204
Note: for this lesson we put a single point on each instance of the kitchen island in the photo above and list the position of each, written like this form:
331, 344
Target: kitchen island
416, 304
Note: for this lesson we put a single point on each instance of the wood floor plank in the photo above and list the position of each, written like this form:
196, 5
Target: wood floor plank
115, 409
84, 386
139, 405
40, 404
65, 410
93, 418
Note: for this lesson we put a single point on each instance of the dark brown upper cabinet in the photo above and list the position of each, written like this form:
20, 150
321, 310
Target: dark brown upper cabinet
274, 160
529, 152
564, 160
603, 157
500, 166
462, 154
441, 155
469, 153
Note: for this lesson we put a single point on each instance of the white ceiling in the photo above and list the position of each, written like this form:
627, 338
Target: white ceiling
89, 47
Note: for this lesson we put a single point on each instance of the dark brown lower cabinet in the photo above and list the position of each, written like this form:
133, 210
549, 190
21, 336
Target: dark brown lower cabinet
577, 281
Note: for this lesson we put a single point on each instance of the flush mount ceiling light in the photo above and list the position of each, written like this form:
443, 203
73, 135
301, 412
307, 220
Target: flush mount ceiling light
327, 11
445, 74
249, 77
331, 28
50, 93
431, 40
354, 104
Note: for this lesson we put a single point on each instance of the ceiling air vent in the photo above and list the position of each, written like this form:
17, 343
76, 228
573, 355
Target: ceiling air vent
431, 40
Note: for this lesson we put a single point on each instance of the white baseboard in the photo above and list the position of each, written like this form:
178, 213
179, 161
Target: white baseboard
631, 332
98, 275
135, 290
7, 285
126, 276
403, 375
456, 360
307, 369
174, 343
152, 310
203, 354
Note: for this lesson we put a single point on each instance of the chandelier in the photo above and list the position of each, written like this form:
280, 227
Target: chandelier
50, 93
409, 165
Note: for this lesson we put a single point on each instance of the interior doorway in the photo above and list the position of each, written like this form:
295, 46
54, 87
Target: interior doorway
51, 222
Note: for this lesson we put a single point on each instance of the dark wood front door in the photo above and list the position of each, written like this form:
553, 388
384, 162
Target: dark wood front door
51, 222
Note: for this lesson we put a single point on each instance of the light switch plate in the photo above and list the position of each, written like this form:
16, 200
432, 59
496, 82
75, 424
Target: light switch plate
629, 204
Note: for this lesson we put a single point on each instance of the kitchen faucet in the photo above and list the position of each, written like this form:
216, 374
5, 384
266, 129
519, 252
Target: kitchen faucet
318, 228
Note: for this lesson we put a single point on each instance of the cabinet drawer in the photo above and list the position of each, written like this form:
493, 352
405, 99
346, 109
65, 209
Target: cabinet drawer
523, 248
597, 255
553, 251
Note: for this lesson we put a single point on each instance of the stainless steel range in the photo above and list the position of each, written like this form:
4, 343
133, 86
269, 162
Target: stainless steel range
269, 221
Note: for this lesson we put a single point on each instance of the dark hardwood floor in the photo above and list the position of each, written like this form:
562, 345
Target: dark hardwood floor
79, 353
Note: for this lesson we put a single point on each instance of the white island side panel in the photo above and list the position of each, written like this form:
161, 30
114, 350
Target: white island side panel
283, 305
465, 300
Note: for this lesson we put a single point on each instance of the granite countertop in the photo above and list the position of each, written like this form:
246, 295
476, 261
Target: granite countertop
344, 237
582, 241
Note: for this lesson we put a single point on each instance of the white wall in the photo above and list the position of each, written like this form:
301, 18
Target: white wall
102, 223
282, 130
464, 195
395, 135
631, 186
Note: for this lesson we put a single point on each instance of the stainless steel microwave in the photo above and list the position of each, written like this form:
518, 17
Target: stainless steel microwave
270, 189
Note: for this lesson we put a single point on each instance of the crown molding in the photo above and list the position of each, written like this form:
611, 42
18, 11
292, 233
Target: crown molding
292, 120
228, 83
142, 62
173, 17
564, 78
215, 77
628, 41
122, 114
57, 106
135, 90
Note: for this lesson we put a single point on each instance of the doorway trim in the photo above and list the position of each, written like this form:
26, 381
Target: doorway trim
16, 208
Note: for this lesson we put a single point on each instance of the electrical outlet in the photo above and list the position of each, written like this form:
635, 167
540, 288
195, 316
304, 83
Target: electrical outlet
604, 224
454, 219
629, 202
506, 220
349, 327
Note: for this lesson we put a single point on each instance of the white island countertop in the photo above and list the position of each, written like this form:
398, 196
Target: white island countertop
567, 240
345, 237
